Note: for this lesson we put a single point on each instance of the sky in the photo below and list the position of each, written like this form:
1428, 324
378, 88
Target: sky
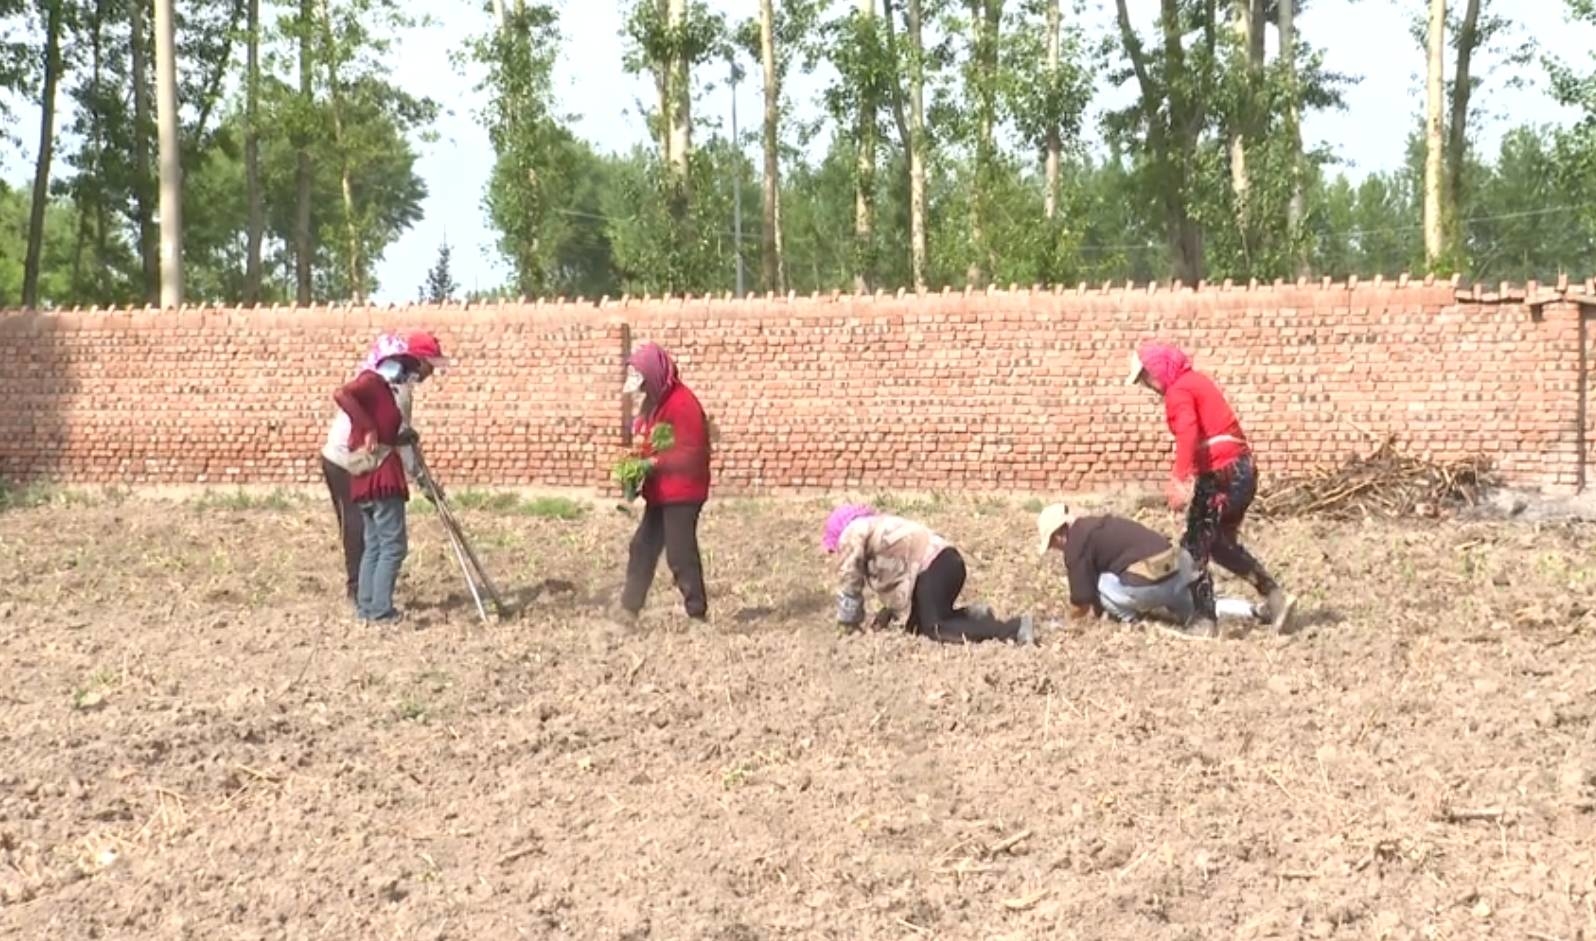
1368, 38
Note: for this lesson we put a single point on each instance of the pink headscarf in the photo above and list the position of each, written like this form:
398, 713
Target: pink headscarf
658, 371
1164, 363
386, 346
839, 520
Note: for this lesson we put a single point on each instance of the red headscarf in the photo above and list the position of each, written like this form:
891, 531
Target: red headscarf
1164, 363
658, 371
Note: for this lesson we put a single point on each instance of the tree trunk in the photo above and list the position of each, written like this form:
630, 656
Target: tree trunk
1249, 37
1294, 208
681, 114
149, 243
864, 186
256, 222
1433, 211
1054, 143
101, 224
917, 145
770, 249
303, 247
41, 167
1468, 38
986, 18
355, 262
171, 155
662, 87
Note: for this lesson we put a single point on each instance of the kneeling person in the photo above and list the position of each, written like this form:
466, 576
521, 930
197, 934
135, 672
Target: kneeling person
1119, 567
917, 575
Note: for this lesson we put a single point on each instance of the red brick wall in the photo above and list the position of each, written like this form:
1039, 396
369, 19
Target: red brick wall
1011, 390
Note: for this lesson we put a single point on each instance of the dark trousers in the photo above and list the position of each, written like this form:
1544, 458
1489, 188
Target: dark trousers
351, 524
934, 614
672, 529
1213, 531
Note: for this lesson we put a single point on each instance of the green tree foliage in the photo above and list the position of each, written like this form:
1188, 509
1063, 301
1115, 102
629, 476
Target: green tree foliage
1158, 200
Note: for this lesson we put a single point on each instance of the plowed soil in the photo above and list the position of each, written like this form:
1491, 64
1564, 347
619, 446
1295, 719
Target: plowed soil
198, 741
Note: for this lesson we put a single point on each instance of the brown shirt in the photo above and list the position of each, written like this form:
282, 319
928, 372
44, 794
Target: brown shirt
1094, 545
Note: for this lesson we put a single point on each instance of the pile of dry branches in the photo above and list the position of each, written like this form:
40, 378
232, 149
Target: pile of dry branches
1384, 483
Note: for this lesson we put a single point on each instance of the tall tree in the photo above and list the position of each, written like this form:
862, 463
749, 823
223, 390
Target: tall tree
771, 269
171, 155
982, 78
532, 180
1434, 192
914, 27
864, 186
256, 224
1248, 52
143, 128
1054, 143
1166, 124
1047, 104
1286, 23
680, 107
303, 114
334, 54
54, 14
440, 285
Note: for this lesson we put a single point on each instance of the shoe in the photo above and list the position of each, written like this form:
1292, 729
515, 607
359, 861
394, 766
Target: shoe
1277, 609
1027, 635
394, 616
621, 617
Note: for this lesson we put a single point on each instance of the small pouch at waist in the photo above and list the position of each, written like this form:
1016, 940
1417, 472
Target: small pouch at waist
1158, 567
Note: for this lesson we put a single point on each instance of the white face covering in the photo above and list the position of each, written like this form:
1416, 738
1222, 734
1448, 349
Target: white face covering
393, 371
634, 382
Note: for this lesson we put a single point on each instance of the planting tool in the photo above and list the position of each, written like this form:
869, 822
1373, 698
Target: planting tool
477, 581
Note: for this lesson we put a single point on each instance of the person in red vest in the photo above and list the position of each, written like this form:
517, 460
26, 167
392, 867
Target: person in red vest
377, 483
676, 486
339, 461
1214, 479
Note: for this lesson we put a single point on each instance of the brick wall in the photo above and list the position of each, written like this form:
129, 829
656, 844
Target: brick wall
1008, 390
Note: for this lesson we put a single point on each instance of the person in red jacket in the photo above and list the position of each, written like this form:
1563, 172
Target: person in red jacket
375, 423
676, 487
1213, 479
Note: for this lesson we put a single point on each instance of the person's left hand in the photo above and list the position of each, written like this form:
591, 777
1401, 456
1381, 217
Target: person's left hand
1178, 493
408, 437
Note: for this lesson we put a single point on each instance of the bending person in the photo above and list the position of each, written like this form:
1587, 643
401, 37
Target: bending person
916, 574
1213, 479
1120, 568
377, 484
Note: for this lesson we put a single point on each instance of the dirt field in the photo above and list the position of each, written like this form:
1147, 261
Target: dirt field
199, 741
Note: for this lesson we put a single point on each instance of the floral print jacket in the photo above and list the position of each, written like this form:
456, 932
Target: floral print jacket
886, 553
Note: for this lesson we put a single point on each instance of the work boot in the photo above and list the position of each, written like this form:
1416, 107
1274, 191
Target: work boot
1277, 608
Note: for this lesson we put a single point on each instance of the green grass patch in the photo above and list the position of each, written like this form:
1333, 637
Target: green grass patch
511, 504
553, 508
243, 500
41, 494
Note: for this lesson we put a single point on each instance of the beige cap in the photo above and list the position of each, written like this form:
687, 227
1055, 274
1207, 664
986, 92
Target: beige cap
1048, 522
1136, 369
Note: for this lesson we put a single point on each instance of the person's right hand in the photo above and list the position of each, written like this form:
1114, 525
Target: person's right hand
369, 445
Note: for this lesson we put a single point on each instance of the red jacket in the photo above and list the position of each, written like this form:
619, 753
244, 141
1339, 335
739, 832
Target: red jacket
681, 472
370, 405
1207, 435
